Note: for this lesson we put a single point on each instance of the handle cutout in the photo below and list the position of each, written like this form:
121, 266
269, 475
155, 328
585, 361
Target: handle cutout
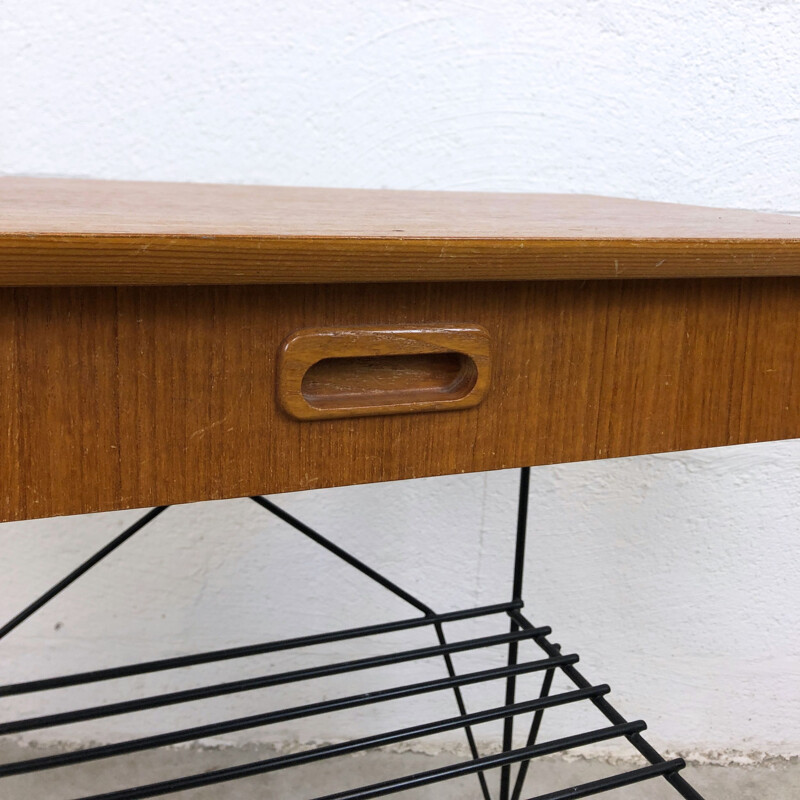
388, 380
349, 372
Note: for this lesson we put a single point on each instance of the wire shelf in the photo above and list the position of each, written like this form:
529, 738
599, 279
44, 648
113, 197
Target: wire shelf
542, 658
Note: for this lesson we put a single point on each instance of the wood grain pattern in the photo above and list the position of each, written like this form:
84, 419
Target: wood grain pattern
137, 396
327, 373
77, 232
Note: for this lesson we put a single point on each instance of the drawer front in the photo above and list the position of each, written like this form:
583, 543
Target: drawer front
128, 397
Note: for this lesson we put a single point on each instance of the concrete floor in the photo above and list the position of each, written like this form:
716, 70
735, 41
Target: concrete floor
774, 782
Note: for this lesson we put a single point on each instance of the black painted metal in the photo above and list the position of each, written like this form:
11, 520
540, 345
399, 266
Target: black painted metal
665, 768
145, 667
533, 733
250, 684
516, 596
299, 712
83, 568
611, 714
382, 580
520, 631
498, 760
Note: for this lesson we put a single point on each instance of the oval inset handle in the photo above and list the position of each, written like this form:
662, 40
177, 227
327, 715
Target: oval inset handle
367, 371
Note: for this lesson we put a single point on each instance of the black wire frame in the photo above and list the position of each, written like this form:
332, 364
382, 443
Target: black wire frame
520, 629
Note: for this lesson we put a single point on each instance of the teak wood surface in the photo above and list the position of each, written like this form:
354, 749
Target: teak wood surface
133, 395
80, 232
369, 370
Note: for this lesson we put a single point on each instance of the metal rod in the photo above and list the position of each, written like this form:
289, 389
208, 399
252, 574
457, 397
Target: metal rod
533, 733
377, 789
249, 684
76, 573
144, 667
610, 713
522, 527
354, 562
487, 762
288, 714
462, 708
516, 595
359, 565
614, 781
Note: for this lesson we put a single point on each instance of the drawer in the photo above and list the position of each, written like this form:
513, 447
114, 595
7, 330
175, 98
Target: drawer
130, 396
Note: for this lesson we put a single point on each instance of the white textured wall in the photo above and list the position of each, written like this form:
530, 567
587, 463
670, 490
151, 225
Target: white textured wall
675, 576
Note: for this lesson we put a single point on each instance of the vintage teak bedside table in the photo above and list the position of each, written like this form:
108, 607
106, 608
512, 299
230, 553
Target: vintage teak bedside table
327, 337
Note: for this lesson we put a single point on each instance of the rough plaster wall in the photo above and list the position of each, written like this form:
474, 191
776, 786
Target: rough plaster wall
676, 576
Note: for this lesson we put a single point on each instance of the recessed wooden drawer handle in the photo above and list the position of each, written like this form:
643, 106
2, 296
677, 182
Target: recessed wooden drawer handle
366, 371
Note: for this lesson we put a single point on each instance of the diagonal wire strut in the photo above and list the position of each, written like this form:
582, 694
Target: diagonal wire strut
382, 580
81, 570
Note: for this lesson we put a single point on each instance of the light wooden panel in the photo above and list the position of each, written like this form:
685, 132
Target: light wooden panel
77, 232
128, 397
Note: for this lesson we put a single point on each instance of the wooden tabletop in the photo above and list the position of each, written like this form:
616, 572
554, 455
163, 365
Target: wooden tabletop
119, 394
86, 232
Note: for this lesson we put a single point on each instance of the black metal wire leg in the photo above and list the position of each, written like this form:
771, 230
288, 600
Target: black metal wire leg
518, 621
520, 630
533, 733
395, 589
78, 571
516, 595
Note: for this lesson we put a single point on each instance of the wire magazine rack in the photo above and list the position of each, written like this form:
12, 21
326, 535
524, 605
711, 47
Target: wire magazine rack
515, 631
